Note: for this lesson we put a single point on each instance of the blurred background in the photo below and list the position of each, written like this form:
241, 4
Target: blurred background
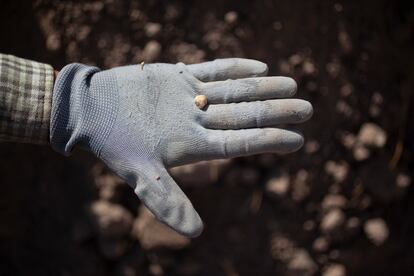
342, 205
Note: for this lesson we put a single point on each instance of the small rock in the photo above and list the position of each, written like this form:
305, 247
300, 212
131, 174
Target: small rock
207, 172
110, 220
285, 67
372, 135
201, 101
338, 170
353, 223
302, 263
83, 32
152, 29
332, 220
376, 230
352, 229
338, 7
344, 108
152, 51
321, 244
333, 68
360, 152
156, 270
295, 59
282, 248
308, 68
53, 42
300, 187
231, 17
333, 201
311, 146
113, 248
345, 41
172, 12
365, 202
348, 140
278, 185
335, 188
186, 53
153, 234
309, 225
347, 90
334, 270
403, 180
109, 186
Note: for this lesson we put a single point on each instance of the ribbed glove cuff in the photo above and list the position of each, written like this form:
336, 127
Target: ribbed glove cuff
84, 108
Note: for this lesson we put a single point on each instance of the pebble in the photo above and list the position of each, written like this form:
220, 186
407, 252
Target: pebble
110, 187
153, 234
333, 68
360, 152
110, 220
311, 146
231, 17
186, 53
200, 101
372, 135
208, 172
152, 29
334, 270
300, 187
345, 41
309, 225
53, 42
295, 59
152, 51
332, 220
376, 230
113, 248
333, 201
278, 185
302, 263
321, 244
308, 68
403, 180
338, 170
346, 90
353, 223
282, 248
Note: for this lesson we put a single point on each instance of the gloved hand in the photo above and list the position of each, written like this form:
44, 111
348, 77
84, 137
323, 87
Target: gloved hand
141, 120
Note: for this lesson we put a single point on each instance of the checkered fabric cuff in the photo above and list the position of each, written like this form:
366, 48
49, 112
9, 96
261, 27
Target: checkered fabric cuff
25, 100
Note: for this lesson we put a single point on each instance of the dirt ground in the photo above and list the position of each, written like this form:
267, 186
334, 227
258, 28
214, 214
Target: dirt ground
343, 205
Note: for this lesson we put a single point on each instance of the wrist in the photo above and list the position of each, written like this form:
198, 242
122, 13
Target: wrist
82, 108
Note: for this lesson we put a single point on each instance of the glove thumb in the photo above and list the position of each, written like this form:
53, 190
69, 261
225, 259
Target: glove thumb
160, 194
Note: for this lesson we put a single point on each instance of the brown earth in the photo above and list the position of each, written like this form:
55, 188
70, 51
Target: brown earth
343, 205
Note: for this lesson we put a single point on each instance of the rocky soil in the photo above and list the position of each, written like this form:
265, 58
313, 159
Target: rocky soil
343, 205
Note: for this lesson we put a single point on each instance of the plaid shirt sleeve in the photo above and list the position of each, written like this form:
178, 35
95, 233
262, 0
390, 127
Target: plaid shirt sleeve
25, 100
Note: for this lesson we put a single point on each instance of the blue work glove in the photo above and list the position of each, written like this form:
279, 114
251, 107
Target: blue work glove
142, 119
